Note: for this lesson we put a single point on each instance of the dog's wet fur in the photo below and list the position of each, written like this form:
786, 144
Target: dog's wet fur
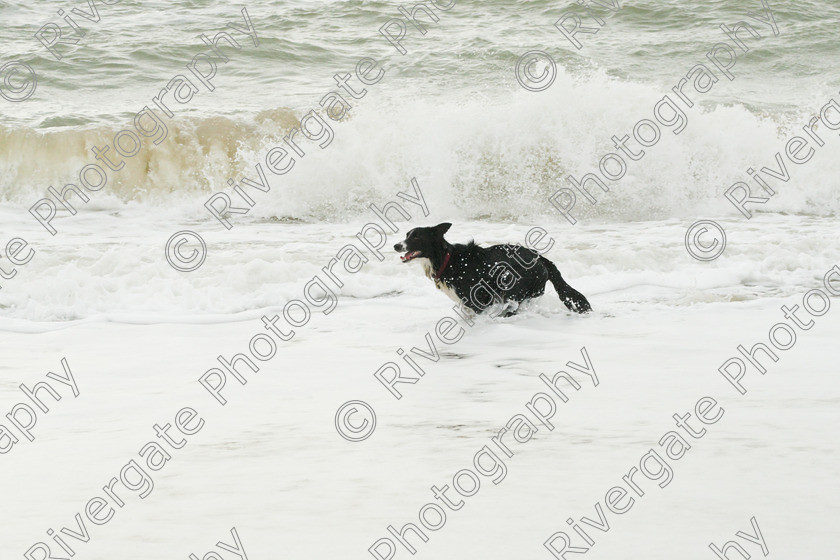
481, 277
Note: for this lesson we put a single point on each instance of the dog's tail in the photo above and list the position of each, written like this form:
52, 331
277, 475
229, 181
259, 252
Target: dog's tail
572, 298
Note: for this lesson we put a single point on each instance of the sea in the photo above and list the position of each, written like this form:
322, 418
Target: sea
608, 128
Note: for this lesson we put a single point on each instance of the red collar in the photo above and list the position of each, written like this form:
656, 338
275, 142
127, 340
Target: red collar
443, 266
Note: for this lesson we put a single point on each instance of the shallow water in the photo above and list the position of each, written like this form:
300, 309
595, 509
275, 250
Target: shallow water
486, 155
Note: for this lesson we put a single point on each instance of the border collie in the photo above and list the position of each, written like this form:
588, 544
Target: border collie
480, 277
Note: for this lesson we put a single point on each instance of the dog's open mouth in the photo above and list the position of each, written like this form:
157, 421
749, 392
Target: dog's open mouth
410, 255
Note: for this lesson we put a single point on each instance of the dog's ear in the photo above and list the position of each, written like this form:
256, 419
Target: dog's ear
440, 229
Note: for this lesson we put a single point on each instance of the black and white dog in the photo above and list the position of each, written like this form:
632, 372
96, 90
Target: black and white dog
480, 277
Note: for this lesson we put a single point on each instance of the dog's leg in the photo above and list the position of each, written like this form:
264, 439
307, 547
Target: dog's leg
511, 308
571, 298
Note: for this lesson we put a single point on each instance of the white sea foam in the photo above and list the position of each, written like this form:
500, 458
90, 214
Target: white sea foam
111, 266
496, 159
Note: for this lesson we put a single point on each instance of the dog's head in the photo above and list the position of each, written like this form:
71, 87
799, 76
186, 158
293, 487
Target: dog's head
423, 242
